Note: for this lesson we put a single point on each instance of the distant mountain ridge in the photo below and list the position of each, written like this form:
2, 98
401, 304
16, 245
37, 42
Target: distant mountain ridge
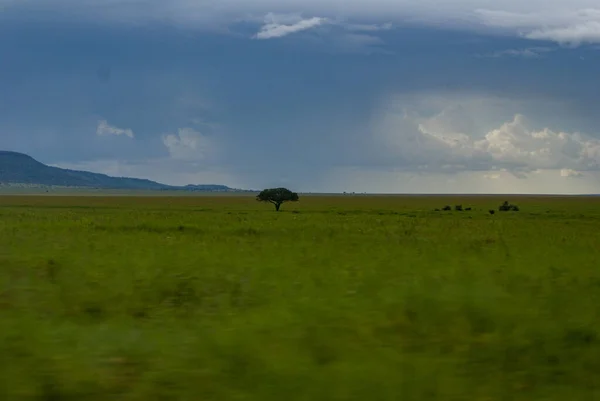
19, 168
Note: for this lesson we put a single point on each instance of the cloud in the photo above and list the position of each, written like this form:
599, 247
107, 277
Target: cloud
567, 25
492, 176
573, 22
588, 32
277, 26
451, 140
569, 173
188, 145
105, 129
368, 27
516, 145
528, 53
338, 35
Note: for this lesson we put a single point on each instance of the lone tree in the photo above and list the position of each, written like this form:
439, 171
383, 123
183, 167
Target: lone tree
277, 196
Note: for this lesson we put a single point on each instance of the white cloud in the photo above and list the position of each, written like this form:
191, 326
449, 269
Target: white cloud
492, 176
461, 137
530, 52
188, 144
277, 26
517, 145
104, 129
567, 25
574, 35
569, 173
368, 27
338, 35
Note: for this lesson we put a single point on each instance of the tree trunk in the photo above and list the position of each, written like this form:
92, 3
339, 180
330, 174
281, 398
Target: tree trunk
277, 206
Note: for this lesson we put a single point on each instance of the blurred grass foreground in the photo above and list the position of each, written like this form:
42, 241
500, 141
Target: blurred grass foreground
333, 298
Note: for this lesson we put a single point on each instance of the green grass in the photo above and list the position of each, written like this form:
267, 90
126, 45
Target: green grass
334, 298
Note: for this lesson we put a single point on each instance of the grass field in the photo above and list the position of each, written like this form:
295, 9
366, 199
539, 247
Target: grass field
334, 298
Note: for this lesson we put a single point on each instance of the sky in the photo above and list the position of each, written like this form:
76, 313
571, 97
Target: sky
387, 96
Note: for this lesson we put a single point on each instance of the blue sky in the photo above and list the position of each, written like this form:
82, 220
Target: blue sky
379, 96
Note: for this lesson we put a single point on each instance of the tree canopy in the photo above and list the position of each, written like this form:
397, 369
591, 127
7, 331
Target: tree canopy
277, 196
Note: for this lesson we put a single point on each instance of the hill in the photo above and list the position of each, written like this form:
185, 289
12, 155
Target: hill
19, 168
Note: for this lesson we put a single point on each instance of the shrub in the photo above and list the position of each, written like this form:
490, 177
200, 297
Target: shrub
458, 208
507, 207
446, 208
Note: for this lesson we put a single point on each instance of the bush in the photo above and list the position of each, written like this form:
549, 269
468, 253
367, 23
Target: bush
507, 207
458, 208
446, 208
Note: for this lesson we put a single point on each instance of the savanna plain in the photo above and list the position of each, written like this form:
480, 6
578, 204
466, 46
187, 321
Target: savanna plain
333, 298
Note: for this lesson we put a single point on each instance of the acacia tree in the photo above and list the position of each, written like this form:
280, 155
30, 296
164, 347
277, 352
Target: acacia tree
277, 196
